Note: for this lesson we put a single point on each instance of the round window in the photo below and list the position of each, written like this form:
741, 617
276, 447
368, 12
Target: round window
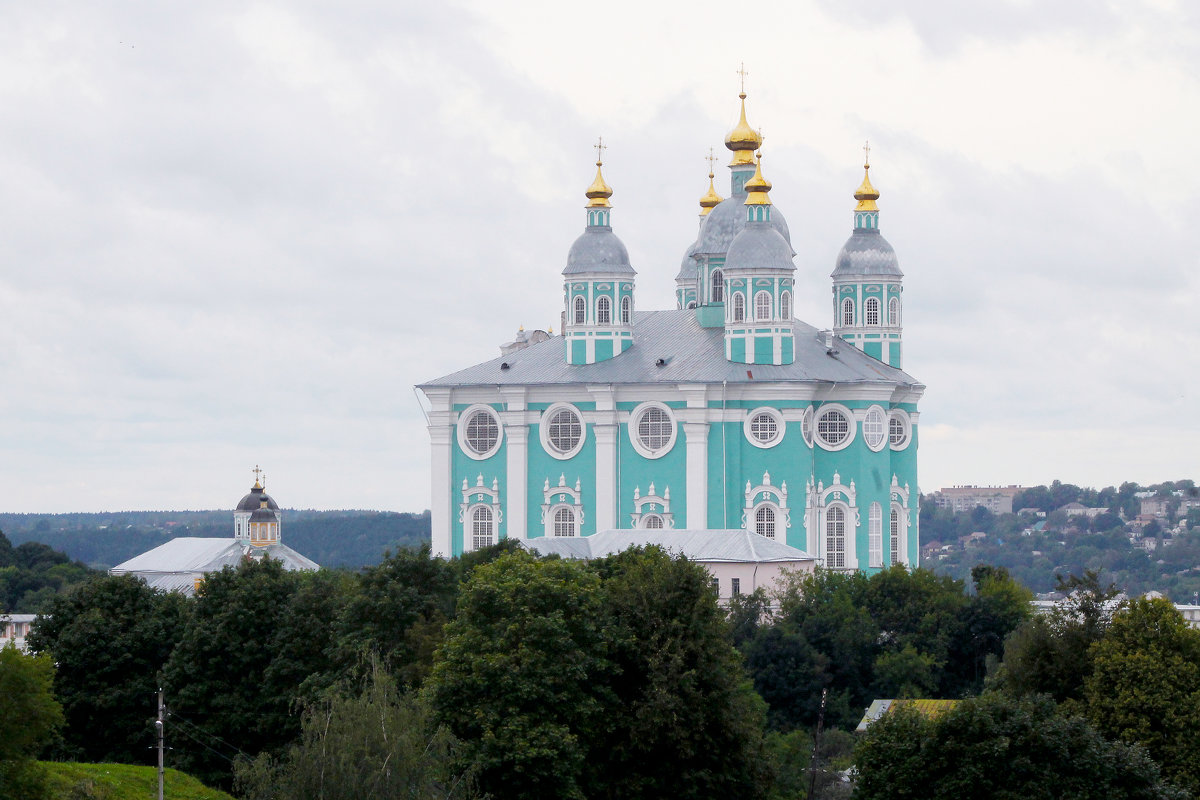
652, 430
764, 427
835, 427
874, 428
898, 430
479, 432
806, 426
562, 431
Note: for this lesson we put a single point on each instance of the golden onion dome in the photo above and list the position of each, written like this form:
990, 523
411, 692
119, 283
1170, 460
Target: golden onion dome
711, 199
743, 140
866, 194
599, 192
757, 187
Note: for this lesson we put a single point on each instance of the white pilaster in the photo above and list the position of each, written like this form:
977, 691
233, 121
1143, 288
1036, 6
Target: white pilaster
516, 489
606, 430
697, 475
440, 517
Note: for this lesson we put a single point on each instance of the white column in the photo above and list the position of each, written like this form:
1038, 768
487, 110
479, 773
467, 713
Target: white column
606, 475
697, 474
440, 514
516, 490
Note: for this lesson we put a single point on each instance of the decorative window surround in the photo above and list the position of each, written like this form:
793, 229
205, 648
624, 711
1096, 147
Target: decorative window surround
472, 498
827, 414
875, 427
545, 431
635, 429
818, 500
562, 496
467, 430
900, 497
652, 505
899, 429
754, 427
767, 494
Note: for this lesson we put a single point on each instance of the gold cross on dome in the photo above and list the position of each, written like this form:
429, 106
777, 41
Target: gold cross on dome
600, 148
711, 158
867, 154
742, 72
257, 472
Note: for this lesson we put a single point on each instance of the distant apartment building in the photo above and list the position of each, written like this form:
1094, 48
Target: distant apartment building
996, 499
14, 628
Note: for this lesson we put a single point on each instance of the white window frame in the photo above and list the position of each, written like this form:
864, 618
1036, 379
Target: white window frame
580, 310
780, 427
875, 535
851, 422
875, 418
544, 431
603, 310
635, 420
847, 523
807, 425
901, 415
785, 306
627, 310
762, 306
894, 312
754, 520
552, 521
847, 306
716, 286
461, 429
871, 306
738, 300
469, 536
646, 519
895, 535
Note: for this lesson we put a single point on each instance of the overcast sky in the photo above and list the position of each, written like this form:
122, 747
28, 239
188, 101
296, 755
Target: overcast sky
237, 233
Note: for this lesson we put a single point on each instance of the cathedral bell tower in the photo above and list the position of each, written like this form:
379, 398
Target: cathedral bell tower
867, 282
760, 284
598, 284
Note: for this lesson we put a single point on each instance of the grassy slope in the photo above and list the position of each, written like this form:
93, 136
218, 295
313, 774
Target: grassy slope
123, 782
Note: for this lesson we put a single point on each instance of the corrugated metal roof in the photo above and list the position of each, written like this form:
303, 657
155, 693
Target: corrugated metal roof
738, 546
927, 707
173, 566
691, 354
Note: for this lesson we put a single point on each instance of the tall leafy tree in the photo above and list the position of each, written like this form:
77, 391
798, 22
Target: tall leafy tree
1003, 747
1145, 686
29, 717
110, 638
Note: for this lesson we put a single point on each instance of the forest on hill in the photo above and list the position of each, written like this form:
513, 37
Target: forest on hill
331, 538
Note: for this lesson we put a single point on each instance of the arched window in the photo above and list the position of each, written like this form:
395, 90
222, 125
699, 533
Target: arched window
762, 305
739, 307
785, 306
564, 522
652, 521
872, 308
482, 530
626, 310
603, 311
848, 311
764, 522
894, 311
875, 535
835, 537
718, 286
895, 534
580, 311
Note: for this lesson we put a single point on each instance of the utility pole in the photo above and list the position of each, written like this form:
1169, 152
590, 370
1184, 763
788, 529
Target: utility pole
812, 762
158, 727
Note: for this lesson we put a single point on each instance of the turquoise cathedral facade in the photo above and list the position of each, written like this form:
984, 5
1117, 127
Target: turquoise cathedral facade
723, 413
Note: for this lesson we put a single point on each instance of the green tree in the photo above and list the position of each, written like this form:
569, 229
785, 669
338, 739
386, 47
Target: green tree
110, 639
1002, 747
517, 679
29, 718
373, 743
1145, 686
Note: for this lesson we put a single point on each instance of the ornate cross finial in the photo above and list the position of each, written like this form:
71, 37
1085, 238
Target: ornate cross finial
257, 473
742, 72
600, 148
711, 159
867, 154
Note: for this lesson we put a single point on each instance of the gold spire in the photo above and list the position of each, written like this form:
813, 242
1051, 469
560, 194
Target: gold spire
743, 140
257, 473
599, 192
757, 187
866, 194
710, 199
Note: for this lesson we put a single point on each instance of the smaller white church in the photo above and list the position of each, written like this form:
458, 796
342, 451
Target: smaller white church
181, 564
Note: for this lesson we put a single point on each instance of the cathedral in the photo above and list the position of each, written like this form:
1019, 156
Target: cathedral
723, 414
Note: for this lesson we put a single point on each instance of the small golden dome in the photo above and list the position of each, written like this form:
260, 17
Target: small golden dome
757, 187
743, 140
711, 199
599, 192
866, 194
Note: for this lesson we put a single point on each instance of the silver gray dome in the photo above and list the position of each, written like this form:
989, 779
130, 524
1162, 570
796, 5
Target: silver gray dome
598, 250
687, 267
759, 246
727, 219
866, 252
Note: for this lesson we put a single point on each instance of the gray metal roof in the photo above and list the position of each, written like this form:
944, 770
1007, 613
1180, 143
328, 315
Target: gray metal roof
172, 566
252, 501
727, 219
759, 246
733, 546
598, 250
687, 267
691, 354
866, 252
